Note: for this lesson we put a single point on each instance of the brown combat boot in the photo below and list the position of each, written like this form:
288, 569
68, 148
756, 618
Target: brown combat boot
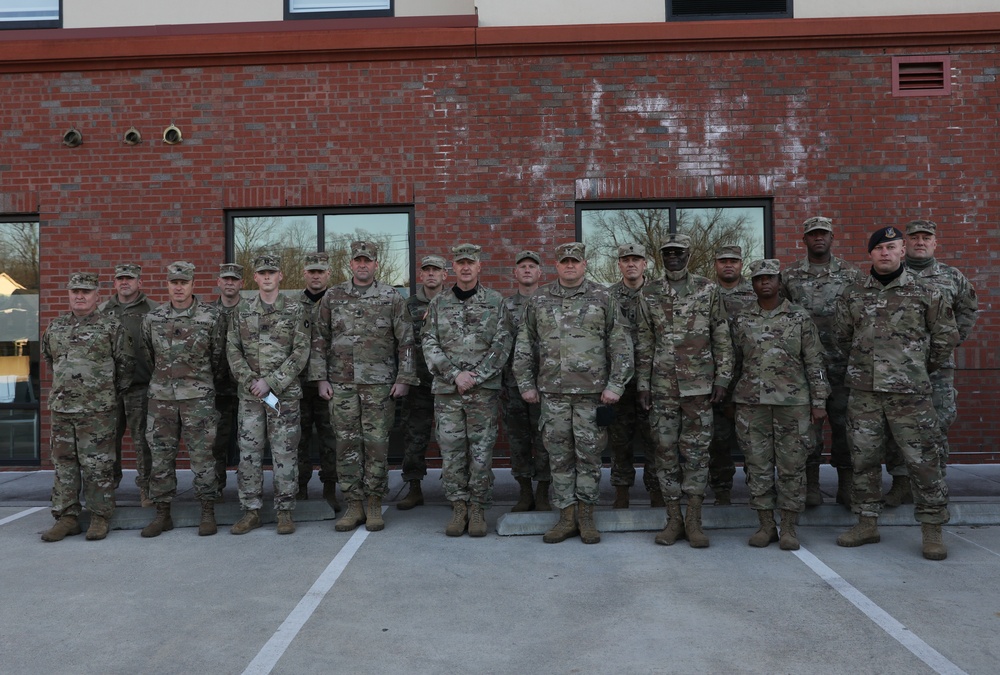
542, 496
354, 516
789, 539
207, 526
98, 528
674, 528
565, 528
865, 532
66, 526
330, 494
585, 520
813, 495
249, 521
899, 493
415, 497
162, 522
723, 497
285, 524
374, 522
845, 483
692, 523
768, 531
656, 499
525, 498
621, 497
933, 546
459, 519
477, 520
144, 500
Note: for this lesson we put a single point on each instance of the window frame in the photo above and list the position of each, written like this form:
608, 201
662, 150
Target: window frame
31, 24
291, 15
787, 14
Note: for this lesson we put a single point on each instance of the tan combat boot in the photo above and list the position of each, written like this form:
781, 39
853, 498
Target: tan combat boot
525, 498
813, 495
723, 497
865, 532
374, 522
899, 493
459, 519
565, 528
674, 528
415, 497
162, 522
477, 520
621, 497
207, 526
285, 524
789, 539
144, 500
585, 519
656, 499
354, 516
933, 547
98, 528
542, 496
768, 531
845, 483
249, 521
66, 526
692, 523
330, 494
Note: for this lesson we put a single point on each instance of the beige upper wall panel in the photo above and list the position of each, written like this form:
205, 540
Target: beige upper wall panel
556, 12
815, 9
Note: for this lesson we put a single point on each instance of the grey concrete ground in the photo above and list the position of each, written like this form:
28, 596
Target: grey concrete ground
410, 599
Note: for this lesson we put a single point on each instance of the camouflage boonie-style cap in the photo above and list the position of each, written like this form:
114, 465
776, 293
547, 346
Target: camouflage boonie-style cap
766, 267
364, 249
530, 255
231, 270
677, 240
267, 262
724, 252
83, 281
466, 252
317, 262
575, 250
128, 270
180, 270
433, 261
928, 226
632, 249
817, 223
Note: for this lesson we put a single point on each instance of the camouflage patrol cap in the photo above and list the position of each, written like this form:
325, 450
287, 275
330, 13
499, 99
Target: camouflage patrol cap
267, 262
433, 261
927, 226
883, 235
466, 252
364, 249
128, 270
231, 270
83, 281
528, 255
317, 262
817, 223
766, 267
180, 270
631, 249
723, 252
677, 240
575, 250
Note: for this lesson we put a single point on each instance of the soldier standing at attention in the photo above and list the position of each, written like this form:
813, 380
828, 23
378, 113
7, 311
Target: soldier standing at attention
631, 419
781, 388
737, 294
895, 331
185, 342
315, 410
529, 461
130, 305
417, 416
89, 358
268, 346
684, 366
574, 355
230, 283
816, 284
362, 357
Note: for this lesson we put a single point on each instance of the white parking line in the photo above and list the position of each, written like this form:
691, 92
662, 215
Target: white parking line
923, 651
969, 541
21, 514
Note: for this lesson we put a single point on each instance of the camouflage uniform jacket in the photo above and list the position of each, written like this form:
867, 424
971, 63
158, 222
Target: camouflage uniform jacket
684, 344
362, 337
515, 308
573, 341
467, 335
958, 293
270, 342
416, 309
737, 298
894, 335
90, 362
818, 294
310, 309
225, 384
186, 349
131, 317
628, 300
779, 357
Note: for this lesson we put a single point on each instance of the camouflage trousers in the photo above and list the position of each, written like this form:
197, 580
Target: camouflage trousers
315, 415
631, 425
260, 427
363, 415
83, 456
194, 420
945, 400
466, 432
909, 419
528, 457
133, 409
227, 406
775, 438
417, 420
574, 443
836, 415
682, 428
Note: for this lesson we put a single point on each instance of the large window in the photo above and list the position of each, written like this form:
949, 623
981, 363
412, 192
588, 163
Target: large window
323, 9
30, 14
701, 10
19, 346
605, 226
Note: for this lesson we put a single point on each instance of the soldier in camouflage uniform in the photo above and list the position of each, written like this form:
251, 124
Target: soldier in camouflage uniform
315, 409
895, 331
529, 460
417, 416
816, 284
130, 305
684, 363
362, 357
782, 387
466, 343
184, 341
268, 346
230, 283
89, 358
631, 423
737, 294
574, 354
